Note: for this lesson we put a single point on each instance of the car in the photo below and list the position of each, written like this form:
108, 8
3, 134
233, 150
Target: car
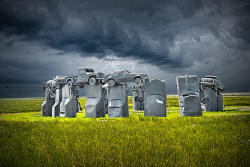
211, 81
56, 83
87, 75
124, 76
50, 85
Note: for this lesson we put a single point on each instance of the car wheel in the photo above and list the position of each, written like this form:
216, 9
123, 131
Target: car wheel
76, 92
52, 95
134, 87
138, 80
111, 82
92, 81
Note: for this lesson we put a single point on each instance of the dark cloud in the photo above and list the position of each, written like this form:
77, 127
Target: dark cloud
94, 26
177, 36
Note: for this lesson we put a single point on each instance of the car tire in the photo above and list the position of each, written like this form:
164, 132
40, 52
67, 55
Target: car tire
138, 80
76, 92
92, 80
111, 82
52, 95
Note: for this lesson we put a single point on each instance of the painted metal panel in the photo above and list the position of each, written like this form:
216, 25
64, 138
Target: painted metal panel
155, 98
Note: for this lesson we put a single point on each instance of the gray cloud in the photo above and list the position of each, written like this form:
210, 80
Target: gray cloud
197, 36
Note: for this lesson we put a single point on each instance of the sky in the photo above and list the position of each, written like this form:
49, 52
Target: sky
163, 38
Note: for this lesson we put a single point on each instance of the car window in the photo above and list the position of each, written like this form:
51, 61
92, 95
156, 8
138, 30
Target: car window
116, 103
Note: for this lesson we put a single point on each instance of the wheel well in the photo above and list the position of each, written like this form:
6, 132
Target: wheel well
92, 76
111, 79
69, 80
137, 77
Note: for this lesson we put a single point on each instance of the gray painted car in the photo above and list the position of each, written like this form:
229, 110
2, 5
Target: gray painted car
212, 81
123, 77
87, 75
211, 97
189, 95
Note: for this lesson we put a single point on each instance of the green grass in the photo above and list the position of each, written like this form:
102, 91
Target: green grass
215, 139
16, 105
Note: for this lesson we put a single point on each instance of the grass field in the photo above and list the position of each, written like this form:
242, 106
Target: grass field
215, 139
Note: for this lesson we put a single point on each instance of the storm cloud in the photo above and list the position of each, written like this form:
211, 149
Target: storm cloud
164, 38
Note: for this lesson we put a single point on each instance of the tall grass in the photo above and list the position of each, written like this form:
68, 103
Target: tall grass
215, 139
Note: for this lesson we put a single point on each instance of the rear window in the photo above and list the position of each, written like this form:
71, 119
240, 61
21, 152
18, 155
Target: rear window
89, 70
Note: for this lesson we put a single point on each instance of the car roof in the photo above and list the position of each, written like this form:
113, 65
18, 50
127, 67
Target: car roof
84, 68
210, 76
117, 71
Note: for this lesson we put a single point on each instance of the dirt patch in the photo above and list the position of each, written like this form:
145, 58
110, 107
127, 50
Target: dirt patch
244, 108
236, 94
